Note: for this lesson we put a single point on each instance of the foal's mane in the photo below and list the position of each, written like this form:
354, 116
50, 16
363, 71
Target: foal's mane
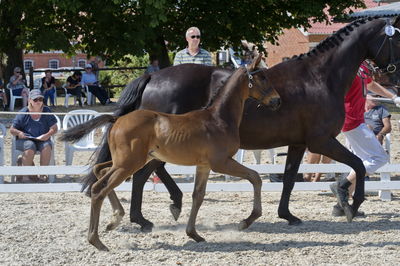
335, 39
218, 91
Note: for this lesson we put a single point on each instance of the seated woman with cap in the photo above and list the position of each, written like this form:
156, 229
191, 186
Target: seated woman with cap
33, 131
17, 85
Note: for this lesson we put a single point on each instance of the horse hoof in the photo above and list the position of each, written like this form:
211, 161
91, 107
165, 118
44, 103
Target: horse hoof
111, 226
175, 211
198, 238
295, 222
98, 244
348, 211
147, 228
243, 225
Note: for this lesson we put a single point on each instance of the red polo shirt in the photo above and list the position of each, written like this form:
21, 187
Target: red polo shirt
354, 101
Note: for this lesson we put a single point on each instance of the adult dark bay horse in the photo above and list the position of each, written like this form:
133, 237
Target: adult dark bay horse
312, 88
207, 138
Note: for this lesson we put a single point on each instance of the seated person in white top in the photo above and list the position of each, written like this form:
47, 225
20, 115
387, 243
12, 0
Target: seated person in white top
89, 79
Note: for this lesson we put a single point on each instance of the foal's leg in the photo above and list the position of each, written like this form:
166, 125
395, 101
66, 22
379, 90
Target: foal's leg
97, 198
294, 157
231, 167
335, 150
202, 173
138, 181
115, 176
100, 170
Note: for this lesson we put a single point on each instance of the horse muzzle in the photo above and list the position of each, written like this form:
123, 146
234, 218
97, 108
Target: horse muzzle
274, 103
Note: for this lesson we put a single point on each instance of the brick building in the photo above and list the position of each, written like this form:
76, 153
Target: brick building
296, 41
55, 59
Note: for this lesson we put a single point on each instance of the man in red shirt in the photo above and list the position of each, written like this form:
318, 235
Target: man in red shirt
360, 137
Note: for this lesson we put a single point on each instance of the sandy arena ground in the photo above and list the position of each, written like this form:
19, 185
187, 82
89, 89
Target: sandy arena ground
51, 229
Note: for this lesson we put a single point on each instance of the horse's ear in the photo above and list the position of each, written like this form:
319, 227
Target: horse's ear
255, 62
396, 21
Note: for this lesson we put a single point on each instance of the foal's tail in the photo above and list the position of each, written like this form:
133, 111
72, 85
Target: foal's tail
77, 132
130, 100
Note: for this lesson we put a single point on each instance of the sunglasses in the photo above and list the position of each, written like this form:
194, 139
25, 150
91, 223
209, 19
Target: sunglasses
38, 100
195, 36
17, 72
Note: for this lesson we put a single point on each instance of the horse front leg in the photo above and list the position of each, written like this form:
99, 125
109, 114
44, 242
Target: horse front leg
202, 173
293, 160
173, 189
138, 181
232, 167
336, 151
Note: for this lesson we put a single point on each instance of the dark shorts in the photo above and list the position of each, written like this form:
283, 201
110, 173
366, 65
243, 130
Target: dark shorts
17, 92
27, 144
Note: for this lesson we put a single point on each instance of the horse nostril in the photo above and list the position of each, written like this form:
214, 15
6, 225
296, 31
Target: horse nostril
275, 103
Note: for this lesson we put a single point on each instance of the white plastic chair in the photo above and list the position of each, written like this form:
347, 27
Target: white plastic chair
3, 132
12, 97
91, 99
67, 95
15, 153
72, 119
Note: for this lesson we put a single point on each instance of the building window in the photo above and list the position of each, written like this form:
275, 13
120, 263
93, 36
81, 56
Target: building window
27, 65
82, 63
53, 63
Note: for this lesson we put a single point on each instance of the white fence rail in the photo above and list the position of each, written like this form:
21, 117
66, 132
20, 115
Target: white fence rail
384, 185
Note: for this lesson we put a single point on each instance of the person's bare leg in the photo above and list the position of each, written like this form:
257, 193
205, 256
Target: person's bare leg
312, 158
27, 160
45, 156
27, 157
24, 94
324, 160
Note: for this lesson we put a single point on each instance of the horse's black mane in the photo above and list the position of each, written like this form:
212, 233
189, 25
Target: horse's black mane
218, 90
335, 39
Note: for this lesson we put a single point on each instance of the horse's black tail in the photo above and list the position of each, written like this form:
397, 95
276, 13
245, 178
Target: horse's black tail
131, 96
129, 101
77, 132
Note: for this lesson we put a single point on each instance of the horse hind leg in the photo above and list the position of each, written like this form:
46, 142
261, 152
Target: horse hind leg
336, 151
97, 199
118, 211
115, 177
100, 170
232, 167
199, 191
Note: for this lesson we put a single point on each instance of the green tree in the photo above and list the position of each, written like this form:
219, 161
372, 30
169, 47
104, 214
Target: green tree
32, 25
115, 28
136, 27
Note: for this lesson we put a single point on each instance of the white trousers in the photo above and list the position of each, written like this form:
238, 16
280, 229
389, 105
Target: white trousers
366, 146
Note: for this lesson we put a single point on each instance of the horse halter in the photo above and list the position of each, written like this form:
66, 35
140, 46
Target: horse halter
390, 31
250, 76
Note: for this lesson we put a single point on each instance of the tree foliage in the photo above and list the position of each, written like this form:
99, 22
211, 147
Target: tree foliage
115, 28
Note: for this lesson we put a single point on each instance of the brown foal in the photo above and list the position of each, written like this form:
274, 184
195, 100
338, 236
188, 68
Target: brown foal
206, 138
